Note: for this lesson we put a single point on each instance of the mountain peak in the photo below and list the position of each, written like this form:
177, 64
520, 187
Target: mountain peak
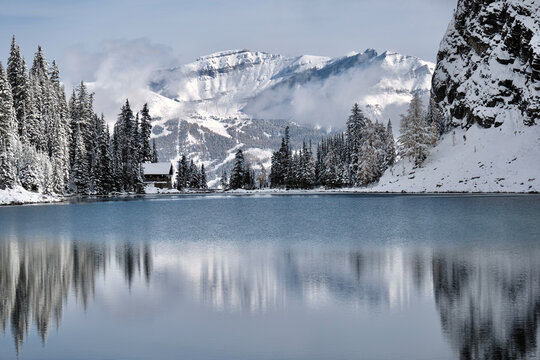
223, 54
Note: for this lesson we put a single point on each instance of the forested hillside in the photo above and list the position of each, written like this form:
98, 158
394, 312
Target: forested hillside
52, 145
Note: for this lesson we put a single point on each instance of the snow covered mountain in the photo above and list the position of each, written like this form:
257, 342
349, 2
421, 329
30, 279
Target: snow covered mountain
242, 99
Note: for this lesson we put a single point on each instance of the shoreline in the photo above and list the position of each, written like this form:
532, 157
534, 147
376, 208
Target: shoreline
40, 199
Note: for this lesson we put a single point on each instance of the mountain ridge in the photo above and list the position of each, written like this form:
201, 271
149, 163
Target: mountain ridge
228, 92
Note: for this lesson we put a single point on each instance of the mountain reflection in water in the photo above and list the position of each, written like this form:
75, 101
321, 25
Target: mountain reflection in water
488, 302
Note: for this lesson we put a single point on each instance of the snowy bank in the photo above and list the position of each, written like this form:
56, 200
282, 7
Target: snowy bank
22, 196
502, 159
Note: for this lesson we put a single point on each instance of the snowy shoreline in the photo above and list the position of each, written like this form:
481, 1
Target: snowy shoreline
22, 197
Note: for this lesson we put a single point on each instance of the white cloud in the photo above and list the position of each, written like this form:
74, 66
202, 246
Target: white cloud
120, 69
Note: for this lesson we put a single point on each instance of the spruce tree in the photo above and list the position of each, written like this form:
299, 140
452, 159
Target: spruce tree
146, 153
193, 176
104, 169
224, 181
238, 176
202, 181
368, 165
390, 145
249, 177
18, 79
281, 172
154, 157
126, 128
80, 168
42, 102
8, 133
416, 138
353, 137
58, 132
262, 177
182, 178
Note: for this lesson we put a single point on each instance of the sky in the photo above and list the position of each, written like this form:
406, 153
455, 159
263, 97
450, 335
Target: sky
92, 39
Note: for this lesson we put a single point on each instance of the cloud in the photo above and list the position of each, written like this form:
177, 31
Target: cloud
383, 92
120, 69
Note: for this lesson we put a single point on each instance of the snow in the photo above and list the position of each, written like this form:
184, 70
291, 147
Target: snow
256, 155
19, 195
209, 122
245, 84
494, 83
161, 168
503, 159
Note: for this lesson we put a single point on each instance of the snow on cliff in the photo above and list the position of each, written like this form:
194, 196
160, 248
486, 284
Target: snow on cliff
487, 79
488, 65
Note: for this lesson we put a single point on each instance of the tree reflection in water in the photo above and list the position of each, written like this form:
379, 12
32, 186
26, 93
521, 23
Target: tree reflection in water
488, 302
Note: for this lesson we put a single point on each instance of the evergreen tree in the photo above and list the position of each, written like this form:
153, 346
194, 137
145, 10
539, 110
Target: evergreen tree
58, 132
436, 118
434, 134
249, 177
29, 169
42, 103
182, 175
8, 133
128, 135
367, 168
146, 130
390, 145
238, 172
116, 162
262, 177
154, 157
281, 172
224, 181
356, 124
368, 165
416, 138
79, 170
104, 167
202, 181
380, 142
82, 117
18, 79
193, 176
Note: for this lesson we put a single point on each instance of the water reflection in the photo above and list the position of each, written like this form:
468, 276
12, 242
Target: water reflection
488, 302
35, 279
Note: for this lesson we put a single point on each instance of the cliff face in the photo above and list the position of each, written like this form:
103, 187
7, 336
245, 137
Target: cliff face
488, 65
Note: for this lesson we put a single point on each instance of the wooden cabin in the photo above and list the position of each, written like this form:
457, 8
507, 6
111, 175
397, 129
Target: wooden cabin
159, 174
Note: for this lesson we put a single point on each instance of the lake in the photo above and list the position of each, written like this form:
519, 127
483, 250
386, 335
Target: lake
272, 277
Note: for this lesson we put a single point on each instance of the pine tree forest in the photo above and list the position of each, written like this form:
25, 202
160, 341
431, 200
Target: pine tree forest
189, 176
360, 155
52, 145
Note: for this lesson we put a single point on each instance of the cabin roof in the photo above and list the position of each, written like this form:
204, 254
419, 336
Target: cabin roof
161, 168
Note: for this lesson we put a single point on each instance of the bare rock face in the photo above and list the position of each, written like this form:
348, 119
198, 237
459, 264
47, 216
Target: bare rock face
488, 65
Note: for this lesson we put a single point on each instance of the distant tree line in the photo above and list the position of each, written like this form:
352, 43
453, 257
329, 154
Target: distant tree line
190, 176
242, 174
360, 155
51, 145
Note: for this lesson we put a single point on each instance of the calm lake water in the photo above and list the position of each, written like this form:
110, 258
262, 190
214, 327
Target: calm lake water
272, 277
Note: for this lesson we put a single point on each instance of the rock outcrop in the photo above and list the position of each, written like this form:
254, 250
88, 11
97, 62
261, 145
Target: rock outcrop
488, 65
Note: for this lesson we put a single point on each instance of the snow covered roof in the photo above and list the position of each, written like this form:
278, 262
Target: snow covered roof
161, 168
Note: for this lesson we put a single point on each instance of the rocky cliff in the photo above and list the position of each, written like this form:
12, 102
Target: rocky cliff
488, 65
